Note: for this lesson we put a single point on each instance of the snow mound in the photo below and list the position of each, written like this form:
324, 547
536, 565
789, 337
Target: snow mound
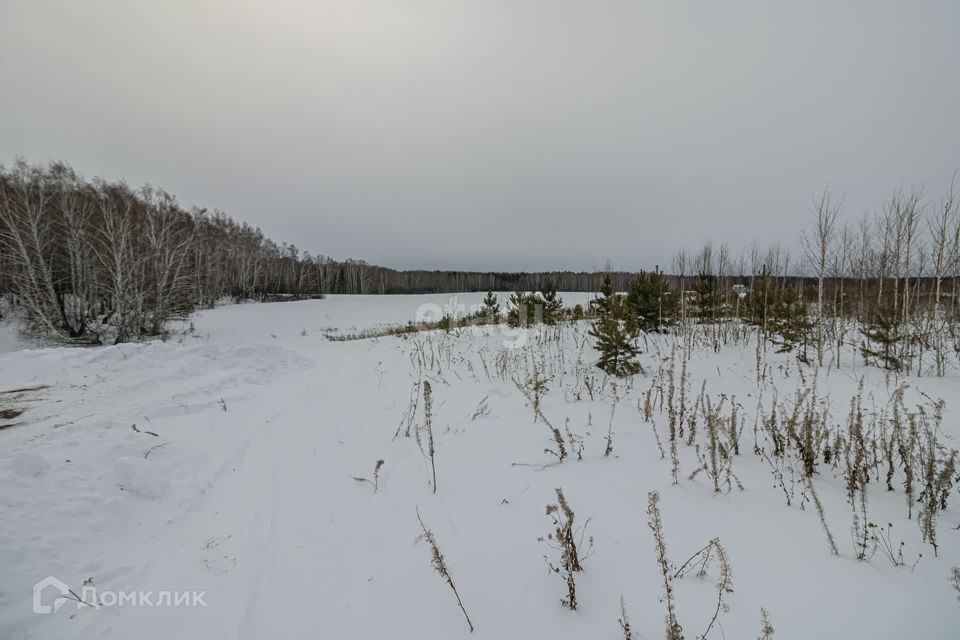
139, 477
30, 465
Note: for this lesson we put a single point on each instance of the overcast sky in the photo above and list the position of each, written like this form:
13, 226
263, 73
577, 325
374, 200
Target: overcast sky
492, 134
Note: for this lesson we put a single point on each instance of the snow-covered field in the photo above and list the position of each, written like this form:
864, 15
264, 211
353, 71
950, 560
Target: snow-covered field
224, 461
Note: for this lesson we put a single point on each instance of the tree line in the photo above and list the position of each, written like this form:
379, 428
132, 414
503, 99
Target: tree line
93, 261
97, 261
886, 284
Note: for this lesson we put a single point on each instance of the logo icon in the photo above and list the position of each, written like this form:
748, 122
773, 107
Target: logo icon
43, 585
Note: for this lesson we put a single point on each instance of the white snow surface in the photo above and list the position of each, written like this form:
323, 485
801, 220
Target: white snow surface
223, 461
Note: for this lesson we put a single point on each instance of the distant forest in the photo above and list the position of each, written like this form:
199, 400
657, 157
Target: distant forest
94, 261
97, 261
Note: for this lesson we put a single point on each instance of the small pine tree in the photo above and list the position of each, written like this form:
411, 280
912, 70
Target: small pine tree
491, 307
516, 309
791, 323
447, 323
522, 310
648, 302
760, 300
552, 304
882, 337
709, 298
606, 298
615, 342
781, 313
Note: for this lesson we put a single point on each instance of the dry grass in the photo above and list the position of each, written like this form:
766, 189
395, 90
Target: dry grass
808, 438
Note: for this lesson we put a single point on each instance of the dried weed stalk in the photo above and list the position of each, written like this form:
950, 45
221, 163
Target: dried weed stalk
674, 631
376, 476
440, 566
567, 538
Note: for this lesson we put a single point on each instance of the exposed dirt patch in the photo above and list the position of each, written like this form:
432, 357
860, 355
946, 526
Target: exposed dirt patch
23, 390
12, 395
9, 414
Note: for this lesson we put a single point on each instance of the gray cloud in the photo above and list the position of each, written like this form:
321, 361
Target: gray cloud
501, 134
